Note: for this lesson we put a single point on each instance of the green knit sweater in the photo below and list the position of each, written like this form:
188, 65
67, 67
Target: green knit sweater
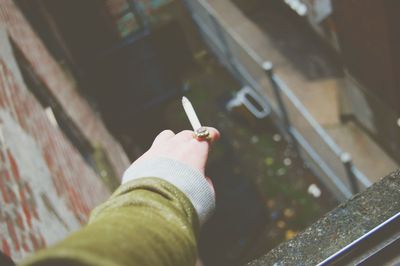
147, 221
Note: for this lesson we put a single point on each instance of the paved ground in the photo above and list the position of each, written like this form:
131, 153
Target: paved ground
260, 182
309, 69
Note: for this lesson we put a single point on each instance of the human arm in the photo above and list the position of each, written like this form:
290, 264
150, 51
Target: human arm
153, 218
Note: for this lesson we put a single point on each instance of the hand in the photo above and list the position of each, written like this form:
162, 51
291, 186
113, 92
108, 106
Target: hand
182, 147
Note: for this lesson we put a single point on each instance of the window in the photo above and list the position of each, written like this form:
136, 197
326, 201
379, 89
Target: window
124, 17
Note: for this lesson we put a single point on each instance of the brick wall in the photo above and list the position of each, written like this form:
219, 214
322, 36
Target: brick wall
46, 188
60, 84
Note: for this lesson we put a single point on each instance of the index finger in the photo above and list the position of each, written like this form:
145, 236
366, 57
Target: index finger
214, 134
188, 135
201, 148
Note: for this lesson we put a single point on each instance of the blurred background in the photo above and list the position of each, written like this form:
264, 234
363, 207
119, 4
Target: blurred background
304, 92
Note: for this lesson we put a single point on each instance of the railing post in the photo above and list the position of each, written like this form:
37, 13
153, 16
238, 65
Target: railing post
227, 51
268, 68
348, 165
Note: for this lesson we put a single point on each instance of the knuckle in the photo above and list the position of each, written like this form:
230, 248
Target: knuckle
203, 145
187, 134
167, 131
163, 135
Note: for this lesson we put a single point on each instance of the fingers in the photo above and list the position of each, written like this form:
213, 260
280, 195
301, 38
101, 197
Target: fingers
183, 147
163, 136
185, 135
214, 134
188, 135
201, 148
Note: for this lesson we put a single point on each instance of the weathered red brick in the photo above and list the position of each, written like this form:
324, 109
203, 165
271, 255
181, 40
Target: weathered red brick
35, 242
5, 247
72, 179
20, 222
25, 247
27, 213
13, 234
7, 175
3, 189
14, 167
42, 242
11, 195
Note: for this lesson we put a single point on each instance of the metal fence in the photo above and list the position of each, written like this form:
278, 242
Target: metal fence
333, 166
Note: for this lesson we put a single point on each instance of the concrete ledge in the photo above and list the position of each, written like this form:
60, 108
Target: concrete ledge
340, 227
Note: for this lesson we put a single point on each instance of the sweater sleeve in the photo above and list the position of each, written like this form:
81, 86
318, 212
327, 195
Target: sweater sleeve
187, 179
147, 221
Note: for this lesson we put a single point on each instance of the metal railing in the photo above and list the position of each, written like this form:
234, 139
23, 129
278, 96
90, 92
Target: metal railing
328, 161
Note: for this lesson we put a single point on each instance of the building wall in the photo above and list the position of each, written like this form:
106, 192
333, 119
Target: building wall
60, 84
46, 188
